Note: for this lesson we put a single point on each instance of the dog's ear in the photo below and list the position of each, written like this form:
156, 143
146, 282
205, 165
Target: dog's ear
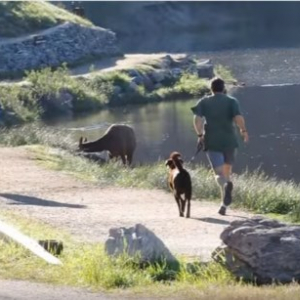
168, 162
175, 154
85, 140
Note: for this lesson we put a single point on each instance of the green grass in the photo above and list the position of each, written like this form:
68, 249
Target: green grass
253, 191
188, 85
34, 134
225, 73
23, 104
24, 17
86, 265
19, 105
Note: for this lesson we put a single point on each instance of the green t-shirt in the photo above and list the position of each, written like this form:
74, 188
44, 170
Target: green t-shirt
218, 111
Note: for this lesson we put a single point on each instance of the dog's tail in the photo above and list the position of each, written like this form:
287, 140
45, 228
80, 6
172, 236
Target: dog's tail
176, 157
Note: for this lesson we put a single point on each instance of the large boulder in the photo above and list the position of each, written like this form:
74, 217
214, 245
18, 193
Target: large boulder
137, 241
167, 61
261, 249
158, 76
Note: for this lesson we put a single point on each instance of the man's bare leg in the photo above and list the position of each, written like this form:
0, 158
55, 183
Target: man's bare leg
220, 179
223, 175
227, 196
227, 169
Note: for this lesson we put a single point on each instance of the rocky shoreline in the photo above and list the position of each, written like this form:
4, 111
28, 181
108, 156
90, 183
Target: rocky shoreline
57, 93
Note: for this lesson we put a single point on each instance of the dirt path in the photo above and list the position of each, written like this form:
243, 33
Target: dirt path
24, 290
23, 38
88, 211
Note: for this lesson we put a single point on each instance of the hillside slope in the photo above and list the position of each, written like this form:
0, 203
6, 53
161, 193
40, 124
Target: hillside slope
23, 17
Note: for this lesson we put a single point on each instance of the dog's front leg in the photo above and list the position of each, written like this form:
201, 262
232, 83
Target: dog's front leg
188, 213
182, 205
178, 200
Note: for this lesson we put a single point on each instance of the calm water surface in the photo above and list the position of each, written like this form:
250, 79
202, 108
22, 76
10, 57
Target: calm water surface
270, 102
272, 116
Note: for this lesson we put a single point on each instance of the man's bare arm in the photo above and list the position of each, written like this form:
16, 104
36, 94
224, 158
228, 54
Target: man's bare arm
240, 122
198, 125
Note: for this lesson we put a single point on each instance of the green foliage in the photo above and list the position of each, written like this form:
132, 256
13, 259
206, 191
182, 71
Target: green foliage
264, 194
19, 105
48, 83
35, 134
26, 103
45, 91
188, 85
192, 84
23, 17
224, 73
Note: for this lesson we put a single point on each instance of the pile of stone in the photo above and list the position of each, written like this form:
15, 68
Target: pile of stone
261, 250
168, 70
137, 242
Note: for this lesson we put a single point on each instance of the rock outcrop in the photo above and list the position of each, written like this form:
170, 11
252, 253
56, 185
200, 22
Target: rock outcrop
168, 69
261, 250
137, 241
65, 43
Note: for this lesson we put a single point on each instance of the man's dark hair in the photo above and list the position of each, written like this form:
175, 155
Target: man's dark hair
217, 85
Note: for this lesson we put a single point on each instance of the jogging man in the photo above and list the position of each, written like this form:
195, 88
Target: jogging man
214, 118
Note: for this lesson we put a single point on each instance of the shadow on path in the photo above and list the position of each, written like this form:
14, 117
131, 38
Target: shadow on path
212, 220
30, 200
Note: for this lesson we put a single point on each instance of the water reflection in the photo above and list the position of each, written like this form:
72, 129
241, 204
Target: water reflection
272, 119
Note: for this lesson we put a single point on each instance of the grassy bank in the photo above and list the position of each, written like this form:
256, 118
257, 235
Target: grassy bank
87, 265
44, 95
254, 191
24, 17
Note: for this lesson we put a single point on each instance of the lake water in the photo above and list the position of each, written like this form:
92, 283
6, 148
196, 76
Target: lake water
270, 102
271, 113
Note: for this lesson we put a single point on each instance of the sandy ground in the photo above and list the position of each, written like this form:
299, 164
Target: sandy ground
25, 290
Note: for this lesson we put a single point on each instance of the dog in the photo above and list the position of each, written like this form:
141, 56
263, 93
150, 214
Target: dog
180, 183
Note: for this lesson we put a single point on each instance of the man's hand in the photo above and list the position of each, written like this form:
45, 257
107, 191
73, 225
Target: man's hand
240, 122
245, 136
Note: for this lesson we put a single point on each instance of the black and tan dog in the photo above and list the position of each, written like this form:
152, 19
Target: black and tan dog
180, 183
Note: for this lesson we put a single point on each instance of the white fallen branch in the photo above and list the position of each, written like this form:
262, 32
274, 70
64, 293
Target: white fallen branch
9, 233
